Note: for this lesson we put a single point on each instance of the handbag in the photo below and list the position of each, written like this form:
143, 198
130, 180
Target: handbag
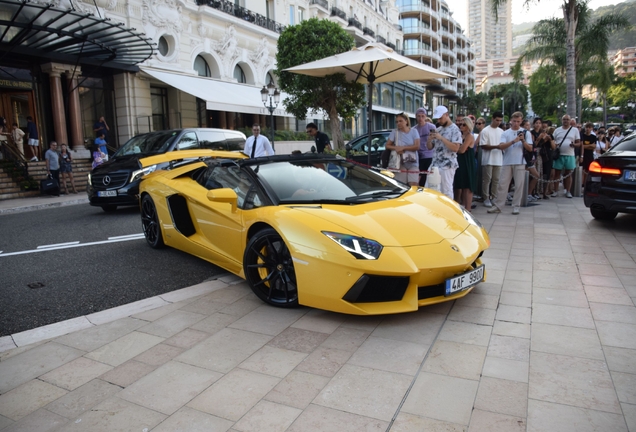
556, 153
395, 161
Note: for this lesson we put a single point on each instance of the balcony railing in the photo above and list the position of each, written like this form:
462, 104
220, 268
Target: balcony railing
339, 13
418, 7
397, 27
355, 23
243, 13
322, 3
390, 45
367, 31
381, 40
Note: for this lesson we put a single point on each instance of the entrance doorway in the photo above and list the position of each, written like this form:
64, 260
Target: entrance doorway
15, 107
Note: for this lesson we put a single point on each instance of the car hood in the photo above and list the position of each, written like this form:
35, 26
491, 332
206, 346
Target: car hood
416, 218
129, 163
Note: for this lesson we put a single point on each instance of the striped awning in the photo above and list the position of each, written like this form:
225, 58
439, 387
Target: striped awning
67, 35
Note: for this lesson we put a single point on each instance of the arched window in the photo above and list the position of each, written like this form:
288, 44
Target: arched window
409, 104
201, 66
399, 101
386, 98
269, 79
239, 75
375, 95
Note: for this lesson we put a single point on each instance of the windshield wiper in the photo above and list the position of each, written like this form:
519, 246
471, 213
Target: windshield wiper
378, 194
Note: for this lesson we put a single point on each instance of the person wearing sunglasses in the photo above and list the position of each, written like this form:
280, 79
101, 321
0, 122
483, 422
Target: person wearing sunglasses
465, 182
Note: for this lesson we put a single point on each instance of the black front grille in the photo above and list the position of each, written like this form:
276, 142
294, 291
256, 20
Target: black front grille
114, 180
373, 289
426, 292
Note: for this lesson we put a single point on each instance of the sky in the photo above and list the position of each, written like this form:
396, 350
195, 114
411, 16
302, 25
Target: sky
538, 10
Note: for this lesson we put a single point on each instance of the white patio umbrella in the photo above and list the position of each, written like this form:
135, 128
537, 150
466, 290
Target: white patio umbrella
369, 64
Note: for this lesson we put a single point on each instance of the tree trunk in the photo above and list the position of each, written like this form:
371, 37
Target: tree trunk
571, 18
336, 133
604, 109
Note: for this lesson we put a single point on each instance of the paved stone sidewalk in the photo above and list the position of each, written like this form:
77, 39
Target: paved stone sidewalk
547, 344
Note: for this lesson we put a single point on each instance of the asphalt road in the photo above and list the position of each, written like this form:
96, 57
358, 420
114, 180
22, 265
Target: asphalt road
55, 283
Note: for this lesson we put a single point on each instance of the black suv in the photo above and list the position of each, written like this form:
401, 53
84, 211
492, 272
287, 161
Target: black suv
116, 182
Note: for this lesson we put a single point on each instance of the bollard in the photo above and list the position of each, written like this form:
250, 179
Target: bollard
576, 182
524, 195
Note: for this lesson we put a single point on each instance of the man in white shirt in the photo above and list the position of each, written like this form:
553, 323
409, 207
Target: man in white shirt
513, 165
491, 157
567, 138
258, 145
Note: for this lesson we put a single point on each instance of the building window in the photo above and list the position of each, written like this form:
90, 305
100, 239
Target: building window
269, 79
375, 95
386, 98
301, 15
239, 76
292, 13
159, 103
409, 104
164, 46
201, 66
399, 102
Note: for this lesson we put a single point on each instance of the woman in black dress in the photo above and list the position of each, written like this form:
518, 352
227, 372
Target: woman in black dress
465, 183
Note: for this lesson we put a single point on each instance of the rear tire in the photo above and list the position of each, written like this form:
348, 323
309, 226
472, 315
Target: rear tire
109, 208
150, 223
269, 269
603, 214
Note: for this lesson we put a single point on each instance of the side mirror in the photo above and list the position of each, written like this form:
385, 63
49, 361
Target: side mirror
225, 195
313, 149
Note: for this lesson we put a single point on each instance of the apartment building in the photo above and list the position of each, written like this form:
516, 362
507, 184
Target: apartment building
624, 61
433, 37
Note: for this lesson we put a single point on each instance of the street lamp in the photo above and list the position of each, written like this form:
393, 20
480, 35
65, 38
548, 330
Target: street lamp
485, 113
270, 94
503, 110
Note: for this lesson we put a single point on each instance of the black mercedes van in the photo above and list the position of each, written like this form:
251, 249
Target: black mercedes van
116, 182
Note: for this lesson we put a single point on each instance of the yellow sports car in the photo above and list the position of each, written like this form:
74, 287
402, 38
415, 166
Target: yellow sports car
317, 230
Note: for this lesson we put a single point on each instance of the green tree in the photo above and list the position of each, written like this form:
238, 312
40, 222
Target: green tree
558, 31
314, 39
590, 46
623, 90
602, 78
547, 87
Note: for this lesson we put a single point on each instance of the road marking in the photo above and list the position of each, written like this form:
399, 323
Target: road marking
58, 244
73, 245
126, 236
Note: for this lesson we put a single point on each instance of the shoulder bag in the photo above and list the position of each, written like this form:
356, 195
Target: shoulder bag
395, 160
556, 153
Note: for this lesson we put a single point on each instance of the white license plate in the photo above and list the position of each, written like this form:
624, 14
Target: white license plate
465, 281
106, 193
630, 175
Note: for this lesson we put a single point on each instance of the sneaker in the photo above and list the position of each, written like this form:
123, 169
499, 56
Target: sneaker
473, 206
545, 197
509, 197
494, 209
568, 194
515, 210
554, 195
34, 159
537, 196
531, 198
487, 203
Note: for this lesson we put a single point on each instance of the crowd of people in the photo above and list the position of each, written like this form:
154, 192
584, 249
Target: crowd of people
499, 153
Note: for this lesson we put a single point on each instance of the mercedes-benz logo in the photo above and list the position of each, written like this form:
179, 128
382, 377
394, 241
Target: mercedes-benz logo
106, 180
455, 248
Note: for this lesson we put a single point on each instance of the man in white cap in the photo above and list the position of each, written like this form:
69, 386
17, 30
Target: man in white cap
445, 142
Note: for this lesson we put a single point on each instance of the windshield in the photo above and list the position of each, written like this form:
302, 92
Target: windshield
148, 144
333, 181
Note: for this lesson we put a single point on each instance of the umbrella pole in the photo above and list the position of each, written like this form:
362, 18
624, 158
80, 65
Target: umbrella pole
369, 120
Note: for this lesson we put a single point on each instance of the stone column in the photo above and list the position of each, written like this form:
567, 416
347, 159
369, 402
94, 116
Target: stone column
222, 122
55, 71
75, 120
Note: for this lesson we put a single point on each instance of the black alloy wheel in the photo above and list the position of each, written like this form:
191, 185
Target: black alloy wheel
269, 269
150, 223
109, 208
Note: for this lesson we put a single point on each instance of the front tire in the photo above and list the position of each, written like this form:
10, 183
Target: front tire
269, 269
150, 223
603, 214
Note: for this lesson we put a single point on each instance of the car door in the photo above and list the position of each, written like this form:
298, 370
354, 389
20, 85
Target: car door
220, 227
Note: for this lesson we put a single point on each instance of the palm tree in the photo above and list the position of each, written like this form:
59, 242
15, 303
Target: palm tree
590, 47
602, 79
593, 41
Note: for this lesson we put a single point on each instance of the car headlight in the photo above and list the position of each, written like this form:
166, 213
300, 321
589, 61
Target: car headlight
359, 247
470, 218
90, 183
136, 175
